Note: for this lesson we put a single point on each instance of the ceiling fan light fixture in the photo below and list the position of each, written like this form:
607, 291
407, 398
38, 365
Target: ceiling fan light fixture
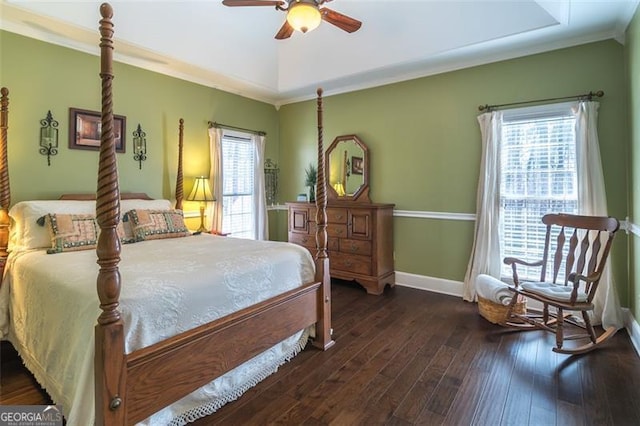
303, 17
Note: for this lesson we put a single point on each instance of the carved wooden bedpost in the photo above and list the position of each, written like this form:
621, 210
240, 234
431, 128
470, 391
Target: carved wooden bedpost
323, 326
5, 192
179, 178
110, 372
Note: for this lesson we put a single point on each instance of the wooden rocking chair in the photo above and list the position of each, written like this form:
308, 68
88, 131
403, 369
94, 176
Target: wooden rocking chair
584, 258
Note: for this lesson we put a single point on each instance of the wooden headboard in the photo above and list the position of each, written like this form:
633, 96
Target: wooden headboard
92, 196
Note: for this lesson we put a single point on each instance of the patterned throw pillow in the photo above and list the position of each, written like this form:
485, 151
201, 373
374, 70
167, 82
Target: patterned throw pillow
125, 233
156, 224
71, 232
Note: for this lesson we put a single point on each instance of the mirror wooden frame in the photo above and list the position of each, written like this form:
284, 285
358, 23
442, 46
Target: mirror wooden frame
362, 194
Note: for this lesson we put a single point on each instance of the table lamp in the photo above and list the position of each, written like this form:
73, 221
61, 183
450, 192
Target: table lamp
201, 192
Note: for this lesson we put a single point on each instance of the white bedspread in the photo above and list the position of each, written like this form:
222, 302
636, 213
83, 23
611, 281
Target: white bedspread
168, 286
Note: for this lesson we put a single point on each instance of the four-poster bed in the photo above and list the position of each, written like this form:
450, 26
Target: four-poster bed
131, 381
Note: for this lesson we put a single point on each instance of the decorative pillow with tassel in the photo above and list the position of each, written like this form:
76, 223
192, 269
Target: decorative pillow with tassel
70, 232
156, 224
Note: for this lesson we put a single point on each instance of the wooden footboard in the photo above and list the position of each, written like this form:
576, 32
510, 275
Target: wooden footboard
213, 349
131, 387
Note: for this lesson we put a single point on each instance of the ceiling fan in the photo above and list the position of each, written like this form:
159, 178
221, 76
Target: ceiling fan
302, 15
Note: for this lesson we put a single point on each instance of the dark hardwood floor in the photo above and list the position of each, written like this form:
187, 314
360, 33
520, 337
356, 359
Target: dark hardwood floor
414, 357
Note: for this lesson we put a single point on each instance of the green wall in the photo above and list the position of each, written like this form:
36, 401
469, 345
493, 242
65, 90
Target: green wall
43, 77
632, 50
422, 134
424, 144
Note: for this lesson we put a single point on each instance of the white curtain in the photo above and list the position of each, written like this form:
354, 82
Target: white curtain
261, 226
214, 212
592, 200
485, 254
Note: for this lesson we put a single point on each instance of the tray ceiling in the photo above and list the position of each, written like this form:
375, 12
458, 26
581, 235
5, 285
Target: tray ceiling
234, 49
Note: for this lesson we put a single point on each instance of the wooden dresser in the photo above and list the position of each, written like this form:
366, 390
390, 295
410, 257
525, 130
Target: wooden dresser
360, 240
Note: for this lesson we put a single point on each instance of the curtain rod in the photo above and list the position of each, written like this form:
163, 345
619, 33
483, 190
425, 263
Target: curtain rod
226, 126
587, 96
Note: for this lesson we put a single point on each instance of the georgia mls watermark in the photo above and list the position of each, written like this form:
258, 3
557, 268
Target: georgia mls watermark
30, 415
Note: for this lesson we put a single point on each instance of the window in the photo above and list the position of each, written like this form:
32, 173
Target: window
238, 212
538, 176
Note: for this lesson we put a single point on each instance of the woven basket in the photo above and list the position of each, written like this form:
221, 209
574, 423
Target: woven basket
497, 313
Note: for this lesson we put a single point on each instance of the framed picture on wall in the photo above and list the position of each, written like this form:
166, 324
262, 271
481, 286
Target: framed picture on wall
356, 165
85, 130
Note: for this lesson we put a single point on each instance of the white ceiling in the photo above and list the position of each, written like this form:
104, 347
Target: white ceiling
234, 49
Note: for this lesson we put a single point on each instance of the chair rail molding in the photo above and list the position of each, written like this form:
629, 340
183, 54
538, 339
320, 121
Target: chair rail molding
630, 227
434, 215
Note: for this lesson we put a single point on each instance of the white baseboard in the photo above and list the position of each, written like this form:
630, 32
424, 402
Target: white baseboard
633, 329
422, 282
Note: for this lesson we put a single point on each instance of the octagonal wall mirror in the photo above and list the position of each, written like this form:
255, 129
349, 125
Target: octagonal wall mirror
347, 169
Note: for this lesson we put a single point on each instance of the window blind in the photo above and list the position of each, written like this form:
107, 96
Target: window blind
538, 176
238, 158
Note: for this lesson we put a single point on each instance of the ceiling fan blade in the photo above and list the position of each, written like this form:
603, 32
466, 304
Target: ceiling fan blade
285, 31
339, 20
253, 2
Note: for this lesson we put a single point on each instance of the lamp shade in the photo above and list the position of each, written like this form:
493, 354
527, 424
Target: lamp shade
201, 190
303, 16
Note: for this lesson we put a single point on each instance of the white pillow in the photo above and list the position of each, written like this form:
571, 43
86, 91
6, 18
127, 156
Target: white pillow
26, 234
136, 204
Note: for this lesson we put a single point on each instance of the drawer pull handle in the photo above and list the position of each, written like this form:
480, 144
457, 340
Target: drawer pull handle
339, 231
348, 263
338, 216
354, 248
304, 239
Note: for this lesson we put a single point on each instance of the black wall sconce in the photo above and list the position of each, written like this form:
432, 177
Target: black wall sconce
139, 145
271, 171
48, 137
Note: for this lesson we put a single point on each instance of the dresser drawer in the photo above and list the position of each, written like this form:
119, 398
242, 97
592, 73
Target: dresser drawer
351, 263
337, 231
306, 240
355, 247
309, 241
335, 215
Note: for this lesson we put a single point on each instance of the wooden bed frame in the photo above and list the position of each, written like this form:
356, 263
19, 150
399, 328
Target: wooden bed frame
131, 387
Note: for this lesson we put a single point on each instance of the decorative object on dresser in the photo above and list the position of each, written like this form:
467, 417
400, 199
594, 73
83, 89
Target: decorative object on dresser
48, 137
201, 192
347, 162
310, 181
360, 232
